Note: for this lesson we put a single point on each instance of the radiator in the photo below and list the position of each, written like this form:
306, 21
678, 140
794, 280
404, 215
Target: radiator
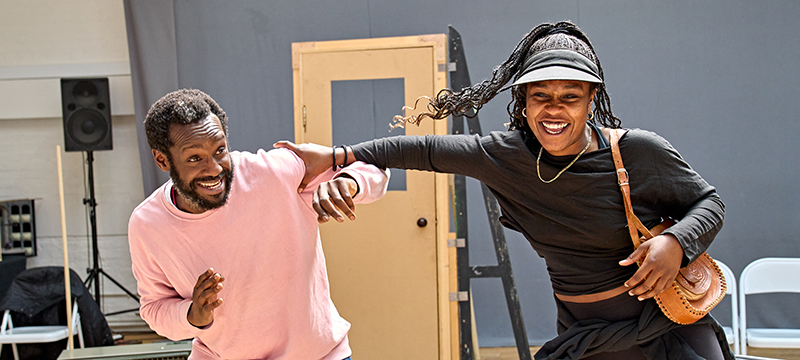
176, 350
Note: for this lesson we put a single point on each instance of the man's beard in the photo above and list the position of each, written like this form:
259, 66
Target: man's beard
189, 191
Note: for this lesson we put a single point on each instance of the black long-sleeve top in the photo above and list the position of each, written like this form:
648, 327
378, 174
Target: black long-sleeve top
576, 223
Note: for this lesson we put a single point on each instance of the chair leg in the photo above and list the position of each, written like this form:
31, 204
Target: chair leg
80, 335
14, 350
76, 324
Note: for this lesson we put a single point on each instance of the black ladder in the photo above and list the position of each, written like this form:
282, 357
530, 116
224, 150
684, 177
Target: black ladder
459, 79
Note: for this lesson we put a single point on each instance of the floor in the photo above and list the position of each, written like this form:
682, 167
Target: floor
510, 353
503, 353
129, 338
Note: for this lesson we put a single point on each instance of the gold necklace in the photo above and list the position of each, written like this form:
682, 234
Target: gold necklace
567, 167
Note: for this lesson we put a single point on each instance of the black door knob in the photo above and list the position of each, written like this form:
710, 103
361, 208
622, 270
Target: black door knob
422, 222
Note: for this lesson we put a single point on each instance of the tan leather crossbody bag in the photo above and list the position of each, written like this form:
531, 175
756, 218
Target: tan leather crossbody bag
699, 286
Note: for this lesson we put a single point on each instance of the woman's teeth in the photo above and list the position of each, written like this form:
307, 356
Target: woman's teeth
554, 128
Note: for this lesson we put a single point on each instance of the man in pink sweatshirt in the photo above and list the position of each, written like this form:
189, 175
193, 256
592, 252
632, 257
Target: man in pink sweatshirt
228, 252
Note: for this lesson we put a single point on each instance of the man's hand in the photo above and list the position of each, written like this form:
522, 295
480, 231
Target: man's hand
204, 298
337, 193
317, 158
661, 259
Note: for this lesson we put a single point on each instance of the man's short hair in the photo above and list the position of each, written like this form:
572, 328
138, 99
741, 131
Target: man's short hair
181, 107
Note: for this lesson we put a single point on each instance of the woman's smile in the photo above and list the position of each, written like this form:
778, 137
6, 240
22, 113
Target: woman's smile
553, 128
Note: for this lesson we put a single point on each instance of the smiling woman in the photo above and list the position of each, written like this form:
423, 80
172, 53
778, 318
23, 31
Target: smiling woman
573, 214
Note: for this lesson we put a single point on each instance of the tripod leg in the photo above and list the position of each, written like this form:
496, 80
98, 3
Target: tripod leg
93, 278
135, 297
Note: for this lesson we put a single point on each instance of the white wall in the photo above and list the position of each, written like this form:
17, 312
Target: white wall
42, 41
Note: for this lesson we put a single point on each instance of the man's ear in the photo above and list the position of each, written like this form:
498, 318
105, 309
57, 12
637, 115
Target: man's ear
161, 160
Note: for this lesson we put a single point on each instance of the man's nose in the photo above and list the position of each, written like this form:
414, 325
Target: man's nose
214, 166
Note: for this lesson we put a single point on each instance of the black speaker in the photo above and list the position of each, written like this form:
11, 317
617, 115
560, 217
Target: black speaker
87, 114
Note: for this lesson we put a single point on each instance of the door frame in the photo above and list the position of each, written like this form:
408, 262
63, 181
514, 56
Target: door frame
445, 254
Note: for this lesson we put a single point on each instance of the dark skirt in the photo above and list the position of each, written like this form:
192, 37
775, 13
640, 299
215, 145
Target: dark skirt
625, 328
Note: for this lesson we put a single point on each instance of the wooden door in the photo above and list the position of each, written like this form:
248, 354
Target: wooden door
389, 276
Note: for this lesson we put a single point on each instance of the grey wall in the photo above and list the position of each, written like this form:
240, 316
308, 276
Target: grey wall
716, 78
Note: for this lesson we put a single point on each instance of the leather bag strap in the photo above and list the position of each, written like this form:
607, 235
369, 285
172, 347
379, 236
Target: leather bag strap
635, 225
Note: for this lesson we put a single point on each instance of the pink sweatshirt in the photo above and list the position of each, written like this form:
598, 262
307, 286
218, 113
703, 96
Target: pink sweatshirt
265, 242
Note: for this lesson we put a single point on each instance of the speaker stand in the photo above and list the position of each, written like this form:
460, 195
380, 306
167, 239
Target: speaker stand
95, 271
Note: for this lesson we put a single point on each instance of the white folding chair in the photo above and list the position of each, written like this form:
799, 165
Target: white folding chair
768, 275
38, 334
731, 332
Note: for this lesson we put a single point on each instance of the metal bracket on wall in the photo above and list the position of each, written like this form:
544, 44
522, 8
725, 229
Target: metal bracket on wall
449, 67
459, 79
456, 243
459, 296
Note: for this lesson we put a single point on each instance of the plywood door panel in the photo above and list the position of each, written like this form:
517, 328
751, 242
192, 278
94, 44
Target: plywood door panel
389, 277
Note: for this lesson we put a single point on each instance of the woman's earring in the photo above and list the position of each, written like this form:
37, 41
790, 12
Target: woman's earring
524, 114
590, 117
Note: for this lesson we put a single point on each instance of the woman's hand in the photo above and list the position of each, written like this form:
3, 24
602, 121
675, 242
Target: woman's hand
661, 259
317, 158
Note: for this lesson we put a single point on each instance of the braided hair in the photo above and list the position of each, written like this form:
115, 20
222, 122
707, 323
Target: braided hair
562, 35
181, 107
